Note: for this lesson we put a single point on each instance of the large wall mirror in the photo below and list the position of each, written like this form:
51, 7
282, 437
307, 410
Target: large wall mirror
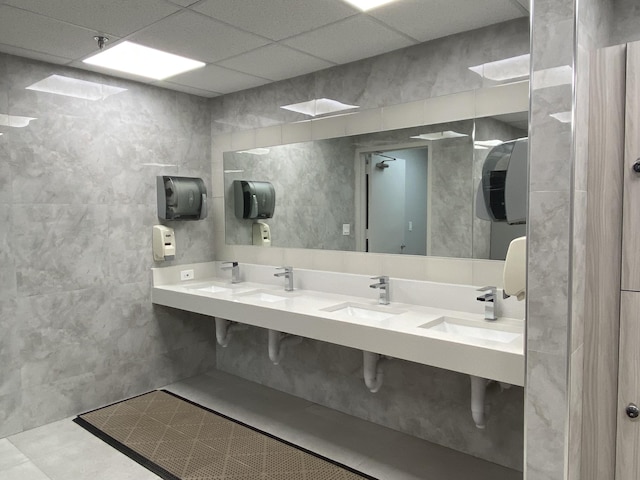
406, 191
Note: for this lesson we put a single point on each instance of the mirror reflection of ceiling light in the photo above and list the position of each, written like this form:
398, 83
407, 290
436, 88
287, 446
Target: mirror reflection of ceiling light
318, 106
506, 69
488, 143
15, 120
440, 135
365, 5
158, 165
562, 117
143, 61
256, 151
73, 87
233, 171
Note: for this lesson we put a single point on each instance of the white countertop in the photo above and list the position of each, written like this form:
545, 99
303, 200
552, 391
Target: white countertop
402, 335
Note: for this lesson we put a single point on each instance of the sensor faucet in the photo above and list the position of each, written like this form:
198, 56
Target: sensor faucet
383, 286
235, 271
288, 277
489, 298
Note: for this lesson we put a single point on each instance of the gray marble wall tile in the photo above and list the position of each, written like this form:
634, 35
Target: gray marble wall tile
78, 192
545, 409
416, 399
624, 23
11, 414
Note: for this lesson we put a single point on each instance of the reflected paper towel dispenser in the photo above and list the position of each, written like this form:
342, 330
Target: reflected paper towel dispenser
181, 198
502, 193
254, 199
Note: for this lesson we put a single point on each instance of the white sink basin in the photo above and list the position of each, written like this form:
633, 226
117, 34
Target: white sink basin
364, 312
470, 329
268, 296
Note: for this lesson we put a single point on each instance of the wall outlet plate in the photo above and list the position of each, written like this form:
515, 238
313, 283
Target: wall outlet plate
186, 275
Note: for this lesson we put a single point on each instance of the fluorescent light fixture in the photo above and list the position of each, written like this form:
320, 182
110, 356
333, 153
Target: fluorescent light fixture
488, 143
158, 165
73, 87
15, 120
318, 106
233, 171
562, 117
440, 135
365, 5
144, 61
506, 69
256, 151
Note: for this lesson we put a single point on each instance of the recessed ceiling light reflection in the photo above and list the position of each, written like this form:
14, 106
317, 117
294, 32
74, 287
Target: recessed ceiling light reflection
440, 135
488, 143
15, 121
256, 151
233, 171
562, 117
158, 165
505, 69
365, 5
319, 106
73, 87
146, 62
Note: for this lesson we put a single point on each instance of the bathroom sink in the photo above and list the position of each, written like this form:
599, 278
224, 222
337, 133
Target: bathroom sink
364, 312
471, 330
268, 296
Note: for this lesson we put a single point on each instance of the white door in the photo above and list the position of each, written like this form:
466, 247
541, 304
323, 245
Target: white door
386, 205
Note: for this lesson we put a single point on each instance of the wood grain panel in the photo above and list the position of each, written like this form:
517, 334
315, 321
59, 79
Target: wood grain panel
603, 255
631, 210
628, 451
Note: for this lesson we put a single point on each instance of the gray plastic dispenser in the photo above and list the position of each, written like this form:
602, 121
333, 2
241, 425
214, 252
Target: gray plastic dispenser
181, 198
502, 193
254, 199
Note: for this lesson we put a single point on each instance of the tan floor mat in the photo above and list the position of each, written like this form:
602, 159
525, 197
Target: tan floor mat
178, 439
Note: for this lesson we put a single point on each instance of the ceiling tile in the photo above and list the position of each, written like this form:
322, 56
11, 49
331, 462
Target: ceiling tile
218, 79
275, 62
198, 37
43, 57
353, 39
42, 34
116, 17
276, 19
438, 18
186, 89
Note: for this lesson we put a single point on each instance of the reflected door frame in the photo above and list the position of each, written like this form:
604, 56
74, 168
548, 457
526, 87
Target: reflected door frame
360, 168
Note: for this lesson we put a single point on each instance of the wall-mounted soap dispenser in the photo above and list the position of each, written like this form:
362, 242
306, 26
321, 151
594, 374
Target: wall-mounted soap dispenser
164, 243
502, 193
261, 234
181, 198
254, 199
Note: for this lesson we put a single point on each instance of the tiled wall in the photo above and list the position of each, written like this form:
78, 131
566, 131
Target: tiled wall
77, 204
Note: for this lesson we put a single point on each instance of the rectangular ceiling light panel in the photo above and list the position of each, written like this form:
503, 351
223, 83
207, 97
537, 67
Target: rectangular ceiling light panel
73, 87
505, 69
143, 61
440, 135
319, 106
365, 5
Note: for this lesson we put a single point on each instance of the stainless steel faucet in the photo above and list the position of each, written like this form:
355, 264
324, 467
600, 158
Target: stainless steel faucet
489, 299
383, 286
288, 277
235, 271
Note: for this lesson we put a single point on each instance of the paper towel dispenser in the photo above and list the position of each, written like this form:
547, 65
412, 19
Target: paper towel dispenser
181, 198
254, 199
502, 193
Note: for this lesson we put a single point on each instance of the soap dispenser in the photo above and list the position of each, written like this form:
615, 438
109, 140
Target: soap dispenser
164, 243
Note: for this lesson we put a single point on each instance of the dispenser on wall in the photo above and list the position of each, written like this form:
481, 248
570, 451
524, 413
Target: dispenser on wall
502, 193
254, 199
181, 198
164, 243
261, 234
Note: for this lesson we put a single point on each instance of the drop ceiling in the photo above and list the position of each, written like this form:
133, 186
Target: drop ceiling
245, 43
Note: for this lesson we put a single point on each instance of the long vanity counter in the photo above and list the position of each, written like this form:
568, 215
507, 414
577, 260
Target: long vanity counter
461, 341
